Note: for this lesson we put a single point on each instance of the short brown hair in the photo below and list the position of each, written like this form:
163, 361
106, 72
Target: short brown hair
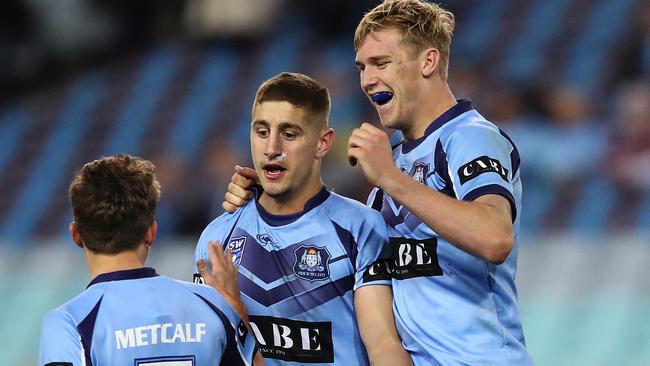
298, 89
420, 23
114, 202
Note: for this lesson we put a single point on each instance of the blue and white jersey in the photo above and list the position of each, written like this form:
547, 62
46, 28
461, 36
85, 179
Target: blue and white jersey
136, 317
297, 274
451, 307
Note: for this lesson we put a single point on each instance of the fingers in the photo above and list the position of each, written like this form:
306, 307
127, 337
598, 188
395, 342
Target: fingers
235, 200
240, 191
247, 173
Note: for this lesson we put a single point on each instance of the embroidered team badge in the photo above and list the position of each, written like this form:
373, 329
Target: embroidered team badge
419, 172
236, 246
312, 263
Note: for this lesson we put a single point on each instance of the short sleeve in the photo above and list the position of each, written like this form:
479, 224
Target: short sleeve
480, 161
60, 341
373, 258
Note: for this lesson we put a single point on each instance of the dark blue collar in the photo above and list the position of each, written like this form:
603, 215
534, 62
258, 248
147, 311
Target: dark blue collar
461, 107
279, 220
129, 274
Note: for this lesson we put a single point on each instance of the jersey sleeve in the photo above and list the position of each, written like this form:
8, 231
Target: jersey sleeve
373, 258
60, 341
480, 161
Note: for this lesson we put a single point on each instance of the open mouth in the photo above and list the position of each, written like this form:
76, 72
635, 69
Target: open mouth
273, 170
381, 98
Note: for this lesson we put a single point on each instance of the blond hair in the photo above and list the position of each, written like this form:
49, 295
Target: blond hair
421, 25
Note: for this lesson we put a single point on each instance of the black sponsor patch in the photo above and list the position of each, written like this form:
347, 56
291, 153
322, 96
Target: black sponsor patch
59, 364
292, 340
414, 258
479, 166
198, 279
379, 270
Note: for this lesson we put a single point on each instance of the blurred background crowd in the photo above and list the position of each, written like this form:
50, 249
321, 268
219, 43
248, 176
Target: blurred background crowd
173, 81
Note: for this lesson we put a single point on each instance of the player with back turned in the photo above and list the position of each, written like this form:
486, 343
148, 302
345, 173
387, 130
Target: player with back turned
130, 315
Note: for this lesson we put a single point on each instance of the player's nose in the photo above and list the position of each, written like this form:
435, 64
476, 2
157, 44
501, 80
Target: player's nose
273, 146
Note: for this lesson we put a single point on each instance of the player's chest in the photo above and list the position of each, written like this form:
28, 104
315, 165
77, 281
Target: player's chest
311, 255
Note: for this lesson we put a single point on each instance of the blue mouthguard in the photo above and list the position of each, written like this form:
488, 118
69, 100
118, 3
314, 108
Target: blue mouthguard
381, 97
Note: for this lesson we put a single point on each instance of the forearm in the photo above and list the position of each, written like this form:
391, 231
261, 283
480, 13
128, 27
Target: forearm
479, 228
389, 352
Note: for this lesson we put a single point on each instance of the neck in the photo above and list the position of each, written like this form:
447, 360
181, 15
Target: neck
432, 104
291, 202
104, 263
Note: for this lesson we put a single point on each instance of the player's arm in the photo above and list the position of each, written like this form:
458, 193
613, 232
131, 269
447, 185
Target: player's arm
239, 188
373, 306
60, 341
482, 227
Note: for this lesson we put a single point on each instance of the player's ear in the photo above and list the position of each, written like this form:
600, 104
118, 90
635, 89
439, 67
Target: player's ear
325, 142
150, 236
430, 61
74, 232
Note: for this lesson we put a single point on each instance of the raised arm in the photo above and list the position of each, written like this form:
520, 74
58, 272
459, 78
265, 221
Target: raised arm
482, 227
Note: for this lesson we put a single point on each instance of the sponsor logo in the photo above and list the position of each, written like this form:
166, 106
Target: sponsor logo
414, 258
242, 331
410, 258
265, 240
311, 263
236, 246
382, 269
292, 340
198, 279
480, 165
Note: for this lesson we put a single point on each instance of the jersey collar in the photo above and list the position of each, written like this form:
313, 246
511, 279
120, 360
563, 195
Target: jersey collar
461, 107
279, 220
129, 274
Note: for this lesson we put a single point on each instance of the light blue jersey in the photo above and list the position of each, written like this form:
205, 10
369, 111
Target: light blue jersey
451, 307
136, 317
298, 273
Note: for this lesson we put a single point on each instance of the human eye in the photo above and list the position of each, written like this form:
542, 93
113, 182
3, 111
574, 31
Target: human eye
382, 64
262, 132
289, 135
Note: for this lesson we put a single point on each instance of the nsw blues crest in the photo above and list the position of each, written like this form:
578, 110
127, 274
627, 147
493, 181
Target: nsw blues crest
420, 172
236, 246
312, 263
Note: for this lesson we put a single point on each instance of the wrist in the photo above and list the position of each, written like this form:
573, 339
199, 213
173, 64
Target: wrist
386, 181
390, 181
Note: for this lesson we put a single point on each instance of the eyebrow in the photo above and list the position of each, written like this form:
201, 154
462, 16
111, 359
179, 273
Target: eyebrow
372, 60
282, 126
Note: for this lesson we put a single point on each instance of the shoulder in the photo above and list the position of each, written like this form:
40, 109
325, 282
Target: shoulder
350, 213
211, 298
221, 226
225, 219
473, 129
76, 309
